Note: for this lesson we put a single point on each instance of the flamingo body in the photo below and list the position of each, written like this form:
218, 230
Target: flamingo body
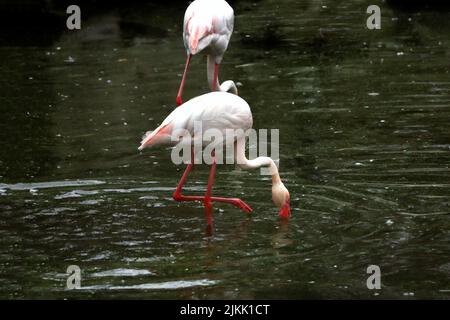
219, 111
214, 110
207, 28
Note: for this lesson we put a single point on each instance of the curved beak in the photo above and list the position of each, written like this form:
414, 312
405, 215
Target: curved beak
285, 210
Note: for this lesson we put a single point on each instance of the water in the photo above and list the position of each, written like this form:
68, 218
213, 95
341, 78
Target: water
364, 145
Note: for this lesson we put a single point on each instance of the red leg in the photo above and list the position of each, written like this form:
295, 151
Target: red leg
234, 201
183, 79
177, 196
216, 77
207, 200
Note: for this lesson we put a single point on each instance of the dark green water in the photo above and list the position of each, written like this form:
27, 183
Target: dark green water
364, 147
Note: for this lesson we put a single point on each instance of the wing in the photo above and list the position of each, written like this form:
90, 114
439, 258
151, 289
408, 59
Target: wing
187, 18
222, 110
229, 20
223, 18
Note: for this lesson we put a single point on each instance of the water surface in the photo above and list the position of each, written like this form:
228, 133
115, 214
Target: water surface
364, 147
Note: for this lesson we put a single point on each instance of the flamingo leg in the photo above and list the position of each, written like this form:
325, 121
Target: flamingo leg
207, 200
216, 77
178, 196
183, 79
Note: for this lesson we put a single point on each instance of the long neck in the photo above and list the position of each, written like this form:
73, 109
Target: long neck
210, 66
226, 86
256, 163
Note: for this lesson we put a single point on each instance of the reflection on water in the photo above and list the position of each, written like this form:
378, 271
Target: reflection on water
363, 119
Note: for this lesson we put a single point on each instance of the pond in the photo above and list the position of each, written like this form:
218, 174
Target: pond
363, 117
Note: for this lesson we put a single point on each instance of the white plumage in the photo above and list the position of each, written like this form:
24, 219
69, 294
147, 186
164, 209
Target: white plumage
220, 111
207, 28
214, 110
208, 25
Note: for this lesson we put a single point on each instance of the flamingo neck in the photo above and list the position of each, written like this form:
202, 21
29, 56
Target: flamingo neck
280, 195
226, 86
276, 178
256, 163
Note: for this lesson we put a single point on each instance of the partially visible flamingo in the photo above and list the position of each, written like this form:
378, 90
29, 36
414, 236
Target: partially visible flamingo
207, 28
217, 110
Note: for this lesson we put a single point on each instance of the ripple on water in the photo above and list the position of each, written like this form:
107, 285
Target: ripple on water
76, 194
132, 190
50, 184
122, 272
91, 202
149, 259
169, 285
52, 211
100, 256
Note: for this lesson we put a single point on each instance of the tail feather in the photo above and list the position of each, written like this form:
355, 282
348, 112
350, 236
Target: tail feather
151, 137
146, 135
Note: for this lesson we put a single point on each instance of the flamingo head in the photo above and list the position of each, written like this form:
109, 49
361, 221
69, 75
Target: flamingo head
281, 198
229, 86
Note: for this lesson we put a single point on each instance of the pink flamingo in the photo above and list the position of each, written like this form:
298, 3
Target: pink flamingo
207, 27
222, 111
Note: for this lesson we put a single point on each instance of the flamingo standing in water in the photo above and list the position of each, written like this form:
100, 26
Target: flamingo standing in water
222, 111
207, 28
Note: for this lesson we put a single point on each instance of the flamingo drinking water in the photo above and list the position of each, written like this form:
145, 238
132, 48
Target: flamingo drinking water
207, 28
220, 111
